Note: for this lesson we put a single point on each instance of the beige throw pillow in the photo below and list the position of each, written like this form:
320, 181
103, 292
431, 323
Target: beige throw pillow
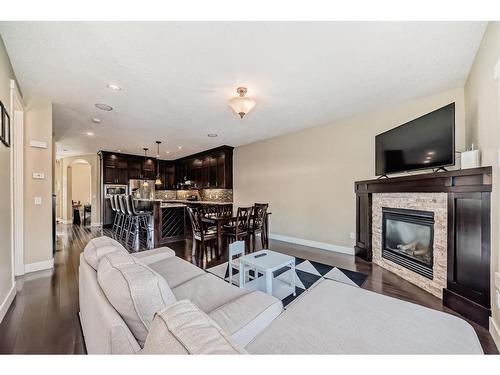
96, 248
135, 291
182, 328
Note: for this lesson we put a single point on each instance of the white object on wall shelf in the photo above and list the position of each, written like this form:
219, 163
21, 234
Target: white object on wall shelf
38, 144
470, 159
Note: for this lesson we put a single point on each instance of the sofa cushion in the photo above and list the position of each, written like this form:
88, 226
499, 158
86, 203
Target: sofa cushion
208, 292
247, 316
96, 248
155, 255
176, 271
135, 291
336, 318
182, 328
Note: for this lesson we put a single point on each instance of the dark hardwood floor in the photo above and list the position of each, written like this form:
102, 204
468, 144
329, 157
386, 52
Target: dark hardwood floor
43, 318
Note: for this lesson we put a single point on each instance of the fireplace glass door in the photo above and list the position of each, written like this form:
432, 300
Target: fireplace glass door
407, 239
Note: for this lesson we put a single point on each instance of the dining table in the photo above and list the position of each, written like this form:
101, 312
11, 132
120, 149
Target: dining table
220, 220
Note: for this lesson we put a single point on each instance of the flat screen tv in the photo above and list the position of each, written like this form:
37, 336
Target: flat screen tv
426, 142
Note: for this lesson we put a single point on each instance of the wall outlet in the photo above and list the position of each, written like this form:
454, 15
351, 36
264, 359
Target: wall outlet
38, 200
352, 235
39, 176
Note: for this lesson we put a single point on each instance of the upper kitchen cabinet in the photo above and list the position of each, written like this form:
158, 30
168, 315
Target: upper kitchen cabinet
208, 169
148, 169
115, 170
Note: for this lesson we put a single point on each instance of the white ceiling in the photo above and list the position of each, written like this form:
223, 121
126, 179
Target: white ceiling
177, 77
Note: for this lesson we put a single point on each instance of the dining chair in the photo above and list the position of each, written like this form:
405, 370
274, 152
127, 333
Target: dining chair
258, 224
201, 235
238, 228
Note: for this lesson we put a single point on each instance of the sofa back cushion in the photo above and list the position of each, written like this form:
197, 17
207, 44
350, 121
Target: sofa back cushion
135, 291
182, 328
96, 248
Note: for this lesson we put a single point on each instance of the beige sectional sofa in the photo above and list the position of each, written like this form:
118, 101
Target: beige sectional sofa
110, 327
155, 302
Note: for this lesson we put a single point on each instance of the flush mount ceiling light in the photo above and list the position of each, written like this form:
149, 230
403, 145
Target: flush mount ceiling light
212, 135
96, 120
90, 134
241, 104
114, 87
167, 152
179, 147
158, 178
104, 107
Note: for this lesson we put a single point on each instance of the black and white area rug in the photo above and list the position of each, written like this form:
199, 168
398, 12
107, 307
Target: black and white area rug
307, 273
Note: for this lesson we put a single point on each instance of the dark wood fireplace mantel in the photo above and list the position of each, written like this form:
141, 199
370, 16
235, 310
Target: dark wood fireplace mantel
468, 190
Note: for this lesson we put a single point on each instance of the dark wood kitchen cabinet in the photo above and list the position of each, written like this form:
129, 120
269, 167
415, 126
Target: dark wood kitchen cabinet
209, 169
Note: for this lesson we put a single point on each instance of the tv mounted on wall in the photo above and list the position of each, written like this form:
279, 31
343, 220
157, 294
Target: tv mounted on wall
426, 142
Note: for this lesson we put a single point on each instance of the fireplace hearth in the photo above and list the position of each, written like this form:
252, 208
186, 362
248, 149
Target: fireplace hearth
407, 239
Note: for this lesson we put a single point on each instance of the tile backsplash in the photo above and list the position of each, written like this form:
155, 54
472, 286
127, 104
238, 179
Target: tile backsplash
217, 195
214, 195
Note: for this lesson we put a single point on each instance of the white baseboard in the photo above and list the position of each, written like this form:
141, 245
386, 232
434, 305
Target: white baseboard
495, 332
7, 302
316, 244
39, 266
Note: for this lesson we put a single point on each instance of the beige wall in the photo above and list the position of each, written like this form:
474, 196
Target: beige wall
6, 271
483, 129
308, 176
37, 218
81, 183
67, 182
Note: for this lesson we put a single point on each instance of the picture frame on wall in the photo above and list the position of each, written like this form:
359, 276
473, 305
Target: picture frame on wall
5, 130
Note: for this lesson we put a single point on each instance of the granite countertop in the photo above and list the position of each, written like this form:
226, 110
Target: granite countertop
197, 202
172, 205
181, 202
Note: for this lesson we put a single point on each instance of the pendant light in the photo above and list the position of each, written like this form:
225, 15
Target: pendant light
145, 183
241, 104
158, 178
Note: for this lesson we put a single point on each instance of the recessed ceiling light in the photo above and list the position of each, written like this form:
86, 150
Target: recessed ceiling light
114, 87
168, 152
90, 134
212, 135
104, 107
96, 120
428, 157
427, 161
431, 153
179, 147
119, 150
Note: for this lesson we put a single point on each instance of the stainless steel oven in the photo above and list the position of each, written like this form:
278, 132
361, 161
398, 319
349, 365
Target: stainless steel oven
113, 189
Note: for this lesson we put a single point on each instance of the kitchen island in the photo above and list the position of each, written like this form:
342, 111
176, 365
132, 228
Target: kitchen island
170, 221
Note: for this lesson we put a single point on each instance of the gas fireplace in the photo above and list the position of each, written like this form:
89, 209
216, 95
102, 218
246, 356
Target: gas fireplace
407, 239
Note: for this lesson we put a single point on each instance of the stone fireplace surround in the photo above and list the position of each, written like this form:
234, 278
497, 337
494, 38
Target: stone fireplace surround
467, 283
434, 202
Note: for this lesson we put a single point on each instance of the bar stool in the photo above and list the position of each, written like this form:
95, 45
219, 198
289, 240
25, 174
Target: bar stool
113, 208
119, 215
143, 219
125, 216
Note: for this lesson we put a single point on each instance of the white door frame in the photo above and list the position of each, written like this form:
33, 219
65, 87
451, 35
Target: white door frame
17, 184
